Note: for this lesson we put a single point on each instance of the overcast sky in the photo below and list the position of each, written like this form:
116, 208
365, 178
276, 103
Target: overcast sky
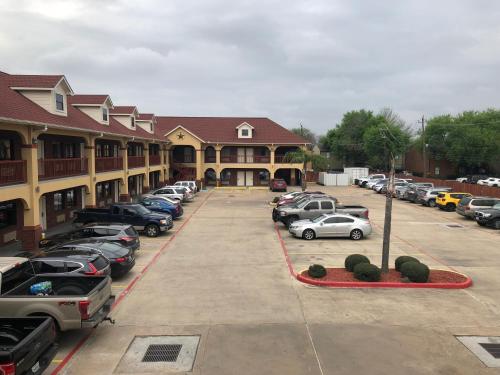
292, 61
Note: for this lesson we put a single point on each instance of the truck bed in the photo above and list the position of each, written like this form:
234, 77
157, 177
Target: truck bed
61, 285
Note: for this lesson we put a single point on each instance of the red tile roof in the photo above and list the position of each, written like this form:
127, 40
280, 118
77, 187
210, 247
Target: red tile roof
145, 116
223, 129
87, 99
123, 110
35, 81
16, 107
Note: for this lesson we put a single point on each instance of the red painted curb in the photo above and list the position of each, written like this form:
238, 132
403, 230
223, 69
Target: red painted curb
364, 284
127, 290
382, 284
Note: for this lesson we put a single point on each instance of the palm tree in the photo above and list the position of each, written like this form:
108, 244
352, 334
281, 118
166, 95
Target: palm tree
300, 156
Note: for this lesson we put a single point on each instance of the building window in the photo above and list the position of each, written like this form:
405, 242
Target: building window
105, 114
58, 202
5, 149
106, 151
244, 132
8, 214
70, 198
98, 151
59, 102
115, 150
151, 127
133, 122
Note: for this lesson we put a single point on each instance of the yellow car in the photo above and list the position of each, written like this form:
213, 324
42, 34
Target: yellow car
449, 201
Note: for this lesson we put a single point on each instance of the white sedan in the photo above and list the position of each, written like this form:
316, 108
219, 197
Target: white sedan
331, 225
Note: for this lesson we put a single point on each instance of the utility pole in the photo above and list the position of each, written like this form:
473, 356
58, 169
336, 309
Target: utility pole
424, 148
388, 219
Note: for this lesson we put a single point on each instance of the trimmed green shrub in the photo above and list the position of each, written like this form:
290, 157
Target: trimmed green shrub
367, 272
316, 271
353, 259
403, 259
416, 272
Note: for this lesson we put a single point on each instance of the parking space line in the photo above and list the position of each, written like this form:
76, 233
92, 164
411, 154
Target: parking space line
285, 251
129, 287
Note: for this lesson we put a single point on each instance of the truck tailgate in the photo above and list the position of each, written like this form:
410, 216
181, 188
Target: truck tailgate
99, 296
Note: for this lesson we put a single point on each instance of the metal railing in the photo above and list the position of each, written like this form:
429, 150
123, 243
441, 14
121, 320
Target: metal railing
58, 168
105, 164
154, 159
12, 172
136, 161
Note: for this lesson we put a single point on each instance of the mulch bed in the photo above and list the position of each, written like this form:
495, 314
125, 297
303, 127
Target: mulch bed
340, 277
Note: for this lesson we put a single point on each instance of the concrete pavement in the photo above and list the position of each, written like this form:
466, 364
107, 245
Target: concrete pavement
224, 278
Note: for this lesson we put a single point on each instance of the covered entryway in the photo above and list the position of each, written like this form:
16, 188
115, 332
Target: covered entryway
244, 177
291, 176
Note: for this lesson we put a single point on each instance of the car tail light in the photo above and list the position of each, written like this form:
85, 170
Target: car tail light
121, 260
93, 270
127, 239
466, 208
84, 309
8, 369
366, 214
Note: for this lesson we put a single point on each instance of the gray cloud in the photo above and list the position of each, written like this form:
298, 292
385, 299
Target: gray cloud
307, 61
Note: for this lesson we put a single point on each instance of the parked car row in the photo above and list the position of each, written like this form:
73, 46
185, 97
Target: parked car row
313, 214
485, 210
480, 179
67, 284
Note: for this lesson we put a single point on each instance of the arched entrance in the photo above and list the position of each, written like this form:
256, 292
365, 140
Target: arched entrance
210, 177
292, 176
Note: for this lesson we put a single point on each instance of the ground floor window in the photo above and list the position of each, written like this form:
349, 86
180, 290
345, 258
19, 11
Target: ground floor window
8, 214
263, 177
58, 202
70, 198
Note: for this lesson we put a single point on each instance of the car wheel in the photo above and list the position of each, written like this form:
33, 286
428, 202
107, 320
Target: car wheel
481, 224
308, 234
431, 203
152, 230
450, 207
356, 234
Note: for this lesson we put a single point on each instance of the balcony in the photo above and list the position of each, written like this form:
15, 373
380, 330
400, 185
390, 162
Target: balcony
106, 164
154, 159
210, 159
241, 159
136, 161
281, 159
12, 172
58, 168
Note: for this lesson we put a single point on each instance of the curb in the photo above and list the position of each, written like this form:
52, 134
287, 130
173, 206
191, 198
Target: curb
382, 284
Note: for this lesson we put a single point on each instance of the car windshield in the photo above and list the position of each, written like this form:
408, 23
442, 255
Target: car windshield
142, 210
318, 218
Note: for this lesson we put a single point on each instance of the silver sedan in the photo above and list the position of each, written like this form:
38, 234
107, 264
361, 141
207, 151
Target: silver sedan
331, 225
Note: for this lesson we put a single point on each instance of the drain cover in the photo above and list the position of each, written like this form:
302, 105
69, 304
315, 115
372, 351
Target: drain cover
486, 348
159, 354
454, 226
162, 353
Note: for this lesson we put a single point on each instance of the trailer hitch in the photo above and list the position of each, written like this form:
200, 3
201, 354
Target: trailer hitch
111, 320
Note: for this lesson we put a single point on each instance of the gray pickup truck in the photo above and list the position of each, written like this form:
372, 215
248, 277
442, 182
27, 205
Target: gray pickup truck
312, 208
73, 301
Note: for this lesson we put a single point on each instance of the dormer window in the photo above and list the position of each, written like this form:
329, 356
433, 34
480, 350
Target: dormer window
133, 122
59, 102
151, 127
105, 114
244, 132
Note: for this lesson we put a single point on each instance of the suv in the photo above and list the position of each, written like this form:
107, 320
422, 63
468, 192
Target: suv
411, 191
123, 234
278, 184
189, 184
469, 205
489, 216
449, 201
427, 197
70, 261
373, 177
169, 193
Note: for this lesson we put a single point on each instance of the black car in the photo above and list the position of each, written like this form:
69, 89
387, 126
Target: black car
473, 179
489, 216
121, 258
124, 234
82, 261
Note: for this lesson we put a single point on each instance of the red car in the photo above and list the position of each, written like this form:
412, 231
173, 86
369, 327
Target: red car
278, 184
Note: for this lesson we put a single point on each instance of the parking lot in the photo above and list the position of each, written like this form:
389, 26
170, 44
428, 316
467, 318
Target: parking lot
221, 274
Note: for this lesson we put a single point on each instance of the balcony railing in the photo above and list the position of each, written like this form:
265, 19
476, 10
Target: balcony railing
58, 168
281, 159
106, 164
186, 159
136, 161
12, 172
154, 159
210, 159
245, 159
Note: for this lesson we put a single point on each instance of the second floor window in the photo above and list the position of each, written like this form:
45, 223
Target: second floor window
244, 132
59, 102
133, 122
105, 114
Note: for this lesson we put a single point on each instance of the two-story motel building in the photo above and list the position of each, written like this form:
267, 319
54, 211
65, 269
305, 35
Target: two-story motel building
61, 151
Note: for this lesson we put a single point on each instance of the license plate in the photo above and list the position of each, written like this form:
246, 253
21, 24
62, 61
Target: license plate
36, 368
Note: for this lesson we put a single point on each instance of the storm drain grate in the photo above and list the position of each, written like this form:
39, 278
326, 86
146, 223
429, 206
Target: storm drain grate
454, 226
162, 353
493, 349
486, 348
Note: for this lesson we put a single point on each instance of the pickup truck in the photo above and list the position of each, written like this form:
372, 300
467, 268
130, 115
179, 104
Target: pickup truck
370, 178
74, 301
314, 207
136, 215
489, 217
27, 345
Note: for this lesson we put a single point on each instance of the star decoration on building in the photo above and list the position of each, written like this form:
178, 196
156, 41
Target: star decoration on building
180, 135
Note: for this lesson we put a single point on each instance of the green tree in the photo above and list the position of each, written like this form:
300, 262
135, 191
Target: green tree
319, 163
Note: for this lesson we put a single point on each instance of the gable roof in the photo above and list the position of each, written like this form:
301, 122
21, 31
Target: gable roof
14, 107
145, 116
223, 129
18, 81
80, 99
244, 124
123, 110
